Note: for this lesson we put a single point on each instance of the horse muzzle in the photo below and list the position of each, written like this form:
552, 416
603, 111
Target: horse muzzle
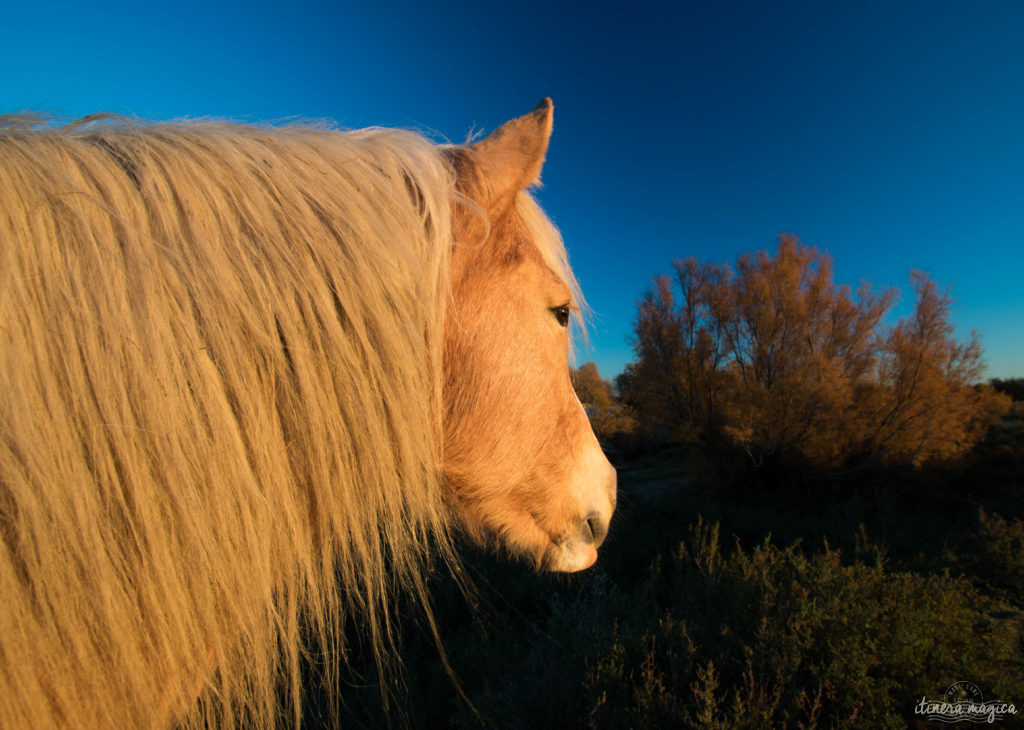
579, 551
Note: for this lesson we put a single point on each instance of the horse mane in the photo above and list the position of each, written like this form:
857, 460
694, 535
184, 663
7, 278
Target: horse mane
219, 401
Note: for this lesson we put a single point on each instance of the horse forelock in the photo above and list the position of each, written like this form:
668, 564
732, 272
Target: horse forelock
552, 249
220, 382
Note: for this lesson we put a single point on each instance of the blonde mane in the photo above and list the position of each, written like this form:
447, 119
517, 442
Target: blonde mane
220, 374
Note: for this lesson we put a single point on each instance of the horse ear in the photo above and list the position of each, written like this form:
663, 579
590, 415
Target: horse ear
511, 156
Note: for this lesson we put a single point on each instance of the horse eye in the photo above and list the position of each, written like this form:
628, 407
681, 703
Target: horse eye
562, 314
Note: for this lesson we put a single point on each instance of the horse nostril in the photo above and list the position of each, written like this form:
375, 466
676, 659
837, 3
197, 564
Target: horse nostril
596, 528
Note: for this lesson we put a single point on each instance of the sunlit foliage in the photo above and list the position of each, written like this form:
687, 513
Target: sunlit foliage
610, 419
774, 358
590, 388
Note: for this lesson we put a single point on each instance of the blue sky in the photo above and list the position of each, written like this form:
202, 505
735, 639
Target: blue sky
889, 134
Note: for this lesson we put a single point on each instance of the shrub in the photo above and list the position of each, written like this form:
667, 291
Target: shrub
994, 557
777, 638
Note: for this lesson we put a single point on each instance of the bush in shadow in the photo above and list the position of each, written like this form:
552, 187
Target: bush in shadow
773, 637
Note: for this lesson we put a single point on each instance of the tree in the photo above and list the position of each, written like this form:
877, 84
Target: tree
590, 388
677, 376
609, 419
774, 358
652, 382
798, 344
1013, 387
925, 408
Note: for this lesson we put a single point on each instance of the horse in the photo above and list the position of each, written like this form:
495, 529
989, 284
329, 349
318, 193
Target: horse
254, 382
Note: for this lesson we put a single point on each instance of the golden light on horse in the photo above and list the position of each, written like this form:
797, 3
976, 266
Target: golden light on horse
240, 366
519, 449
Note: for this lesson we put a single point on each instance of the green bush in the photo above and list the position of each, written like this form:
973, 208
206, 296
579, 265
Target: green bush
776, 638
994, 557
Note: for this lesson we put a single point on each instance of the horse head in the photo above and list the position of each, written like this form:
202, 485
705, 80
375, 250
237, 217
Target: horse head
520, 458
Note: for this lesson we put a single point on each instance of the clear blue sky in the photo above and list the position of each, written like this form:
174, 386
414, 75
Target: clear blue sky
890, 134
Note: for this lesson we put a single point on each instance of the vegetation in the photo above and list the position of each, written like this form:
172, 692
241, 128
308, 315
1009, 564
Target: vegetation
722, 609
1013, 387
821, 522
609, 418
777, 361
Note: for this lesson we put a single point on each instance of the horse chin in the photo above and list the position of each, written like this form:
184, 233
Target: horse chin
569, 557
